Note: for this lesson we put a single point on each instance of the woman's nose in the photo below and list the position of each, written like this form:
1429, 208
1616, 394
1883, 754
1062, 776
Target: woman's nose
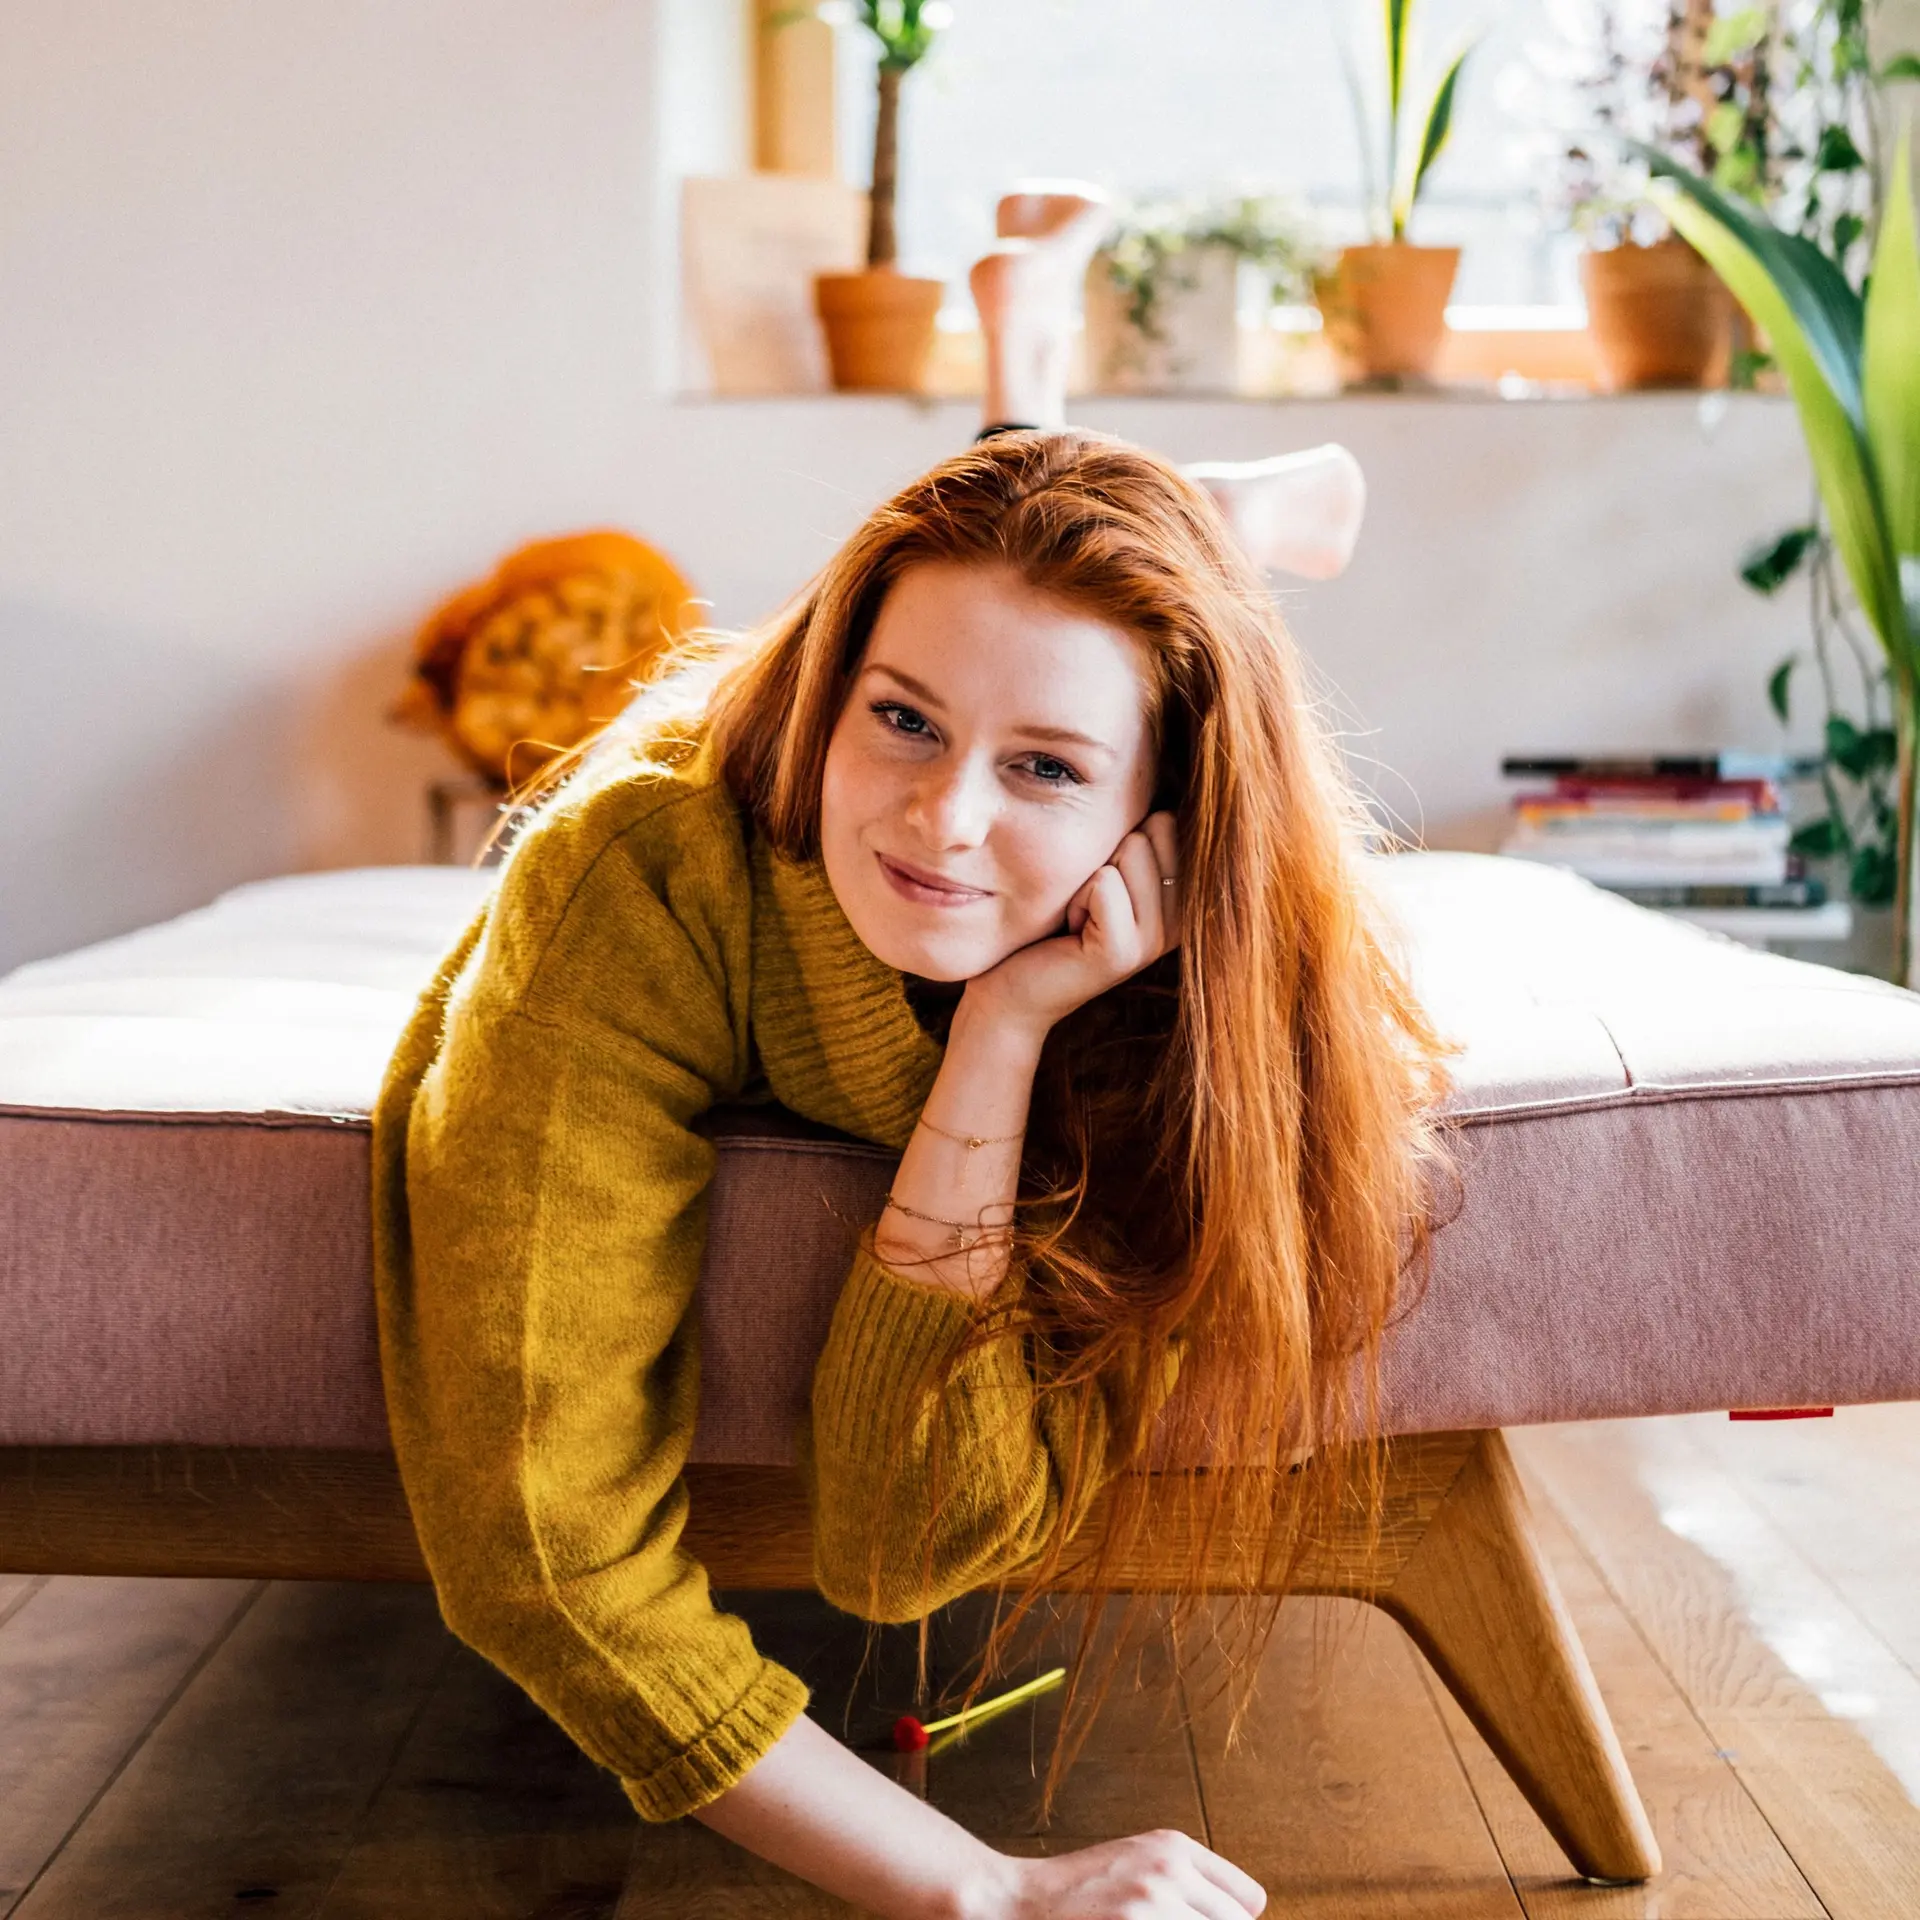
952, 805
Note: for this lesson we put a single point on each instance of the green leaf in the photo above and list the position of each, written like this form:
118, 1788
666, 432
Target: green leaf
1825, 307
1871, 874
1846, 746
1817, 840
1903, 66
1836, 152
1880, 746
1734, 34
1434, 136
1847, 228
1778, 682
1812, 320
1725, 124
1399, 23
1891, 366
1770, 565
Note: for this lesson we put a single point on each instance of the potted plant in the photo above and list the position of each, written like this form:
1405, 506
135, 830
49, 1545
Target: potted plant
1824, 187
1385, 304
1163, 296
1696, 86
879, 323
1852, 365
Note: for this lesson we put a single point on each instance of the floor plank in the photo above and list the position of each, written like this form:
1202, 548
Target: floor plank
85, 1665
1742, 1620
1843, 1816
682, 1869
1135, 1772
490, 1813
1721, 1859
1846, 1492
1818, 1717
1347, 1800
1747, 1596
249, 1788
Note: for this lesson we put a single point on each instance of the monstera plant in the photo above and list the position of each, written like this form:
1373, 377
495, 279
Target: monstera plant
1853, 366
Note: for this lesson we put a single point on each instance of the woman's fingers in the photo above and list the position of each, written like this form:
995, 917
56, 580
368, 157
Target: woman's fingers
1242, 1890
1146, 860
1110, 913
1139, 869
1157, 1876
1158, 827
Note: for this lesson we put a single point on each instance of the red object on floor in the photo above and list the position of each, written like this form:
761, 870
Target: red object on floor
909, 1736
1779, 1413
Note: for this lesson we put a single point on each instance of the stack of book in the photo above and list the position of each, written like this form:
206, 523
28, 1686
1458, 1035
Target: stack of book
1695, 830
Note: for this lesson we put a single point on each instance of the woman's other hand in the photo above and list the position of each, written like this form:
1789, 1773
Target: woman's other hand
1149, 1876
1123, 918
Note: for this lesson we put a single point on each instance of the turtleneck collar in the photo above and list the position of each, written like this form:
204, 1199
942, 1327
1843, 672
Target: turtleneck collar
836, 1031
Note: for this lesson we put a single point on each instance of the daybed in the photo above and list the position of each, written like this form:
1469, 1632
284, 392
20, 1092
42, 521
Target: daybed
1688, 1184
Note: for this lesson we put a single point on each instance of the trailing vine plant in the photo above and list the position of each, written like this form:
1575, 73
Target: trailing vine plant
1149, 254
1817, 164
1859, 826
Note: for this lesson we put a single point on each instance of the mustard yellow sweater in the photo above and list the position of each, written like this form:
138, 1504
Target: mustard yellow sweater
539, 1204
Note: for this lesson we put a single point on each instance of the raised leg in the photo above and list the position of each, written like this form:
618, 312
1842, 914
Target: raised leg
1479, 1601
1298, 512
1024, 291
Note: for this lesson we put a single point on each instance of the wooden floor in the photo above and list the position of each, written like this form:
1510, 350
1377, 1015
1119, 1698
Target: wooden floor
1749, 1595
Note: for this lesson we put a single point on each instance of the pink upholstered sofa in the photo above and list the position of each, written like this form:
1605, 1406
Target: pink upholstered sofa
1688, 1184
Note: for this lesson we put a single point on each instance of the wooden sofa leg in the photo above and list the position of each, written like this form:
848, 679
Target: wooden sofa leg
1479, 1601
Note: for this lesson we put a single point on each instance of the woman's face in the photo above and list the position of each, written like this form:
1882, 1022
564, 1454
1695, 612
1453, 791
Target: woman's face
992, 753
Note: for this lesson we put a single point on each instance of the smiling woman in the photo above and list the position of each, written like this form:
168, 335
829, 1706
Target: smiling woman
995, 749
1011, 845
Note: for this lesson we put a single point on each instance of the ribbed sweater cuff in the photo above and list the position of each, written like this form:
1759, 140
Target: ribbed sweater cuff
888, 1332
723, 1755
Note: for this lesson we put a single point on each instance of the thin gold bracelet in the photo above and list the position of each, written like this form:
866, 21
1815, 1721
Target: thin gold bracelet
959, 1227
972, 1140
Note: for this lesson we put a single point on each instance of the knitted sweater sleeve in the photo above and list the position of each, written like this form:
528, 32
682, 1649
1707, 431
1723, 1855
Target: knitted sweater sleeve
540, 1204
917, 1499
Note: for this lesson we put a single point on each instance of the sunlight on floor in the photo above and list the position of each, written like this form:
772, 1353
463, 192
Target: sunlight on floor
1792, 1609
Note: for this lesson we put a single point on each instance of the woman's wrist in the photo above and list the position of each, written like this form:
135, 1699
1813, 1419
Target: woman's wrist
993, 1888
980, 1028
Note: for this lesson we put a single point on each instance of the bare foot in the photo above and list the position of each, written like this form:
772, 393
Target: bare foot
1299, 512
1024, 290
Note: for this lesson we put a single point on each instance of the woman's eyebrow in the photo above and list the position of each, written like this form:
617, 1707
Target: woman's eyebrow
927, 696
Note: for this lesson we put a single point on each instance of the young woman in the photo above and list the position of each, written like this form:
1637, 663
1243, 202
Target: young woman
1011, 845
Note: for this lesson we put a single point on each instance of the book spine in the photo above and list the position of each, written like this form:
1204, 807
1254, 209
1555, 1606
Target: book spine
1660, 766
1806, 894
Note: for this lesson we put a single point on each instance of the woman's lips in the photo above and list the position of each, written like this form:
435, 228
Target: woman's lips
915, 883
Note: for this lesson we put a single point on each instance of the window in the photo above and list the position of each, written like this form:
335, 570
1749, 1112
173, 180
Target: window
1193, 96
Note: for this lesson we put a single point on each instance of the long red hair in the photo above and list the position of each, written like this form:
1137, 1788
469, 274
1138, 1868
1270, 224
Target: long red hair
1233, 1150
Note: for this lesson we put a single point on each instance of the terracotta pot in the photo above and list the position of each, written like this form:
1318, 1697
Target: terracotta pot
1385, 309
879, 327
1658, 315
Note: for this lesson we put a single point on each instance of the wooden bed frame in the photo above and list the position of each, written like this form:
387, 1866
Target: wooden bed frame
1456, 1563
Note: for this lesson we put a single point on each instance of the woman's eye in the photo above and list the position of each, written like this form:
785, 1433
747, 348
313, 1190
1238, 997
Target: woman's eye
1051, 772
898, 719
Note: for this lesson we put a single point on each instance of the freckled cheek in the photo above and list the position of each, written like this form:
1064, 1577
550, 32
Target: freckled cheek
858, 795
1044, 865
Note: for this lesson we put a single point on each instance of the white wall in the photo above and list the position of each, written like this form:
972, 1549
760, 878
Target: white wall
308, 311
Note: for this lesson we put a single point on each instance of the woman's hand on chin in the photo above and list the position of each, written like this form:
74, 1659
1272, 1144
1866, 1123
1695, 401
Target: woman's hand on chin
1148, 1876
1124, 918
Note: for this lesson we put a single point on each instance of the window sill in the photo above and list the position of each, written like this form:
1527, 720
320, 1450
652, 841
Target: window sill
1489, 353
